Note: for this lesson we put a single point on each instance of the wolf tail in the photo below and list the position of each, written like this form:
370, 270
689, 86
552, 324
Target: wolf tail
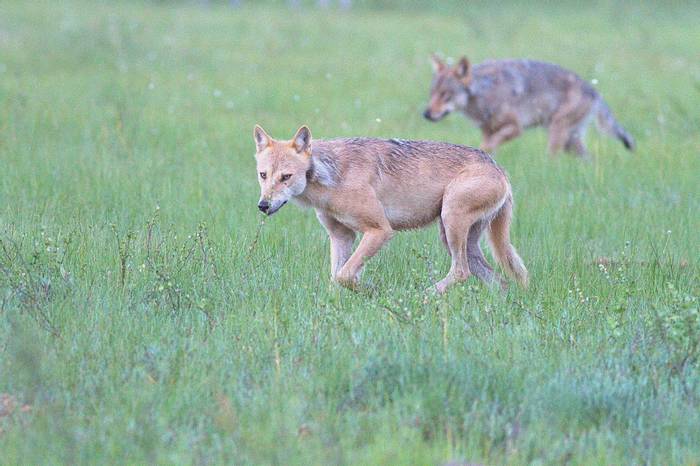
608, 124
503, 251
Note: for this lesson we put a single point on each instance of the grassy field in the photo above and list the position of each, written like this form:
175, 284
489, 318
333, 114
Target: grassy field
149, 316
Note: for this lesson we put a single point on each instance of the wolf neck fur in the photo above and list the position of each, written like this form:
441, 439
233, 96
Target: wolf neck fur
321, 175
323, 170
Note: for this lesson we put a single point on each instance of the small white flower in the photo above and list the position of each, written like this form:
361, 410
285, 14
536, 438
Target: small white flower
151, 85
217, 93
378, 120
594, 81
296, 98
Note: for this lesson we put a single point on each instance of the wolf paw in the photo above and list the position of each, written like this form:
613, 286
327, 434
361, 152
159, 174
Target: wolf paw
441, 286
347, 282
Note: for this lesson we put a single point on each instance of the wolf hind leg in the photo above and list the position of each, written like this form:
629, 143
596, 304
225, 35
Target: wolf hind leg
468, 199
568, 123
456, 233
475, 256
443, 235
557, 136
575, 145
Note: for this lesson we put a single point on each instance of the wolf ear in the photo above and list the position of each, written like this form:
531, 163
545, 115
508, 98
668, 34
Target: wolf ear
438, 65
302, 140
262, 140
463, 71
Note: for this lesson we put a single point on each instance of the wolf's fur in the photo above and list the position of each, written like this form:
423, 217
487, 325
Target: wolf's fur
505, 97
377, 186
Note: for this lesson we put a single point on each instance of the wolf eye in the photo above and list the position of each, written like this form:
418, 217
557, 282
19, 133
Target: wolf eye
263, 175
285, 177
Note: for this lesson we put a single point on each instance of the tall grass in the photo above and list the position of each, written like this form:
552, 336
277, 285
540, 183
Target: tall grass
148, 315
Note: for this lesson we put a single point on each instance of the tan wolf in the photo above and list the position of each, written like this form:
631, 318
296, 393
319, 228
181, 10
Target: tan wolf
504, 97
377, 186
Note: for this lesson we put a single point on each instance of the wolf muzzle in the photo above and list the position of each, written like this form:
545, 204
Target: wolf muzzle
269, 208
263, 206
428, 115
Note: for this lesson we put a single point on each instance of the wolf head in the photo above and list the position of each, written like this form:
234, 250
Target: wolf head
282, 167
448, 92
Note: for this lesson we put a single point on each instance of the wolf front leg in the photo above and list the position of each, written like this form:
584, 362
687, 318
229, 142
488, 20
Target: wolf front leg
492, 139
342, 238
371, 242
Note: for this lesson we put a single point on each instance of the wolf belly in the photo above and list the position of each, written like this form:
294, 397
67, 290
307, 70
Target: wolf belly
411, 211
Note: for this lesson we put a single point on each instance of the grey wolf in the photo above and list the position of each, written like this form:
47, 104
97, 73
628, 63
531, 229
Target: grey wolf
505, 97
379, 186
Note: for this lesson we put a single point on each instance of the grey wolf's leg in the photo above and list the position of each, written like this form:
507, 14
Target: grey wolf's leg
443, 237
558, 134
575, 145
368, 213
505, 133
477, 262
342, 238
467, 200
568, 121
371, 242
456, 228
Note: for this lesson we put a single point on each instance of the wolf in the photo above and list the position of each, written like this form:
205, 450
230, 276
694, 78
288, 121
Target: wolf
505, 97
379, 186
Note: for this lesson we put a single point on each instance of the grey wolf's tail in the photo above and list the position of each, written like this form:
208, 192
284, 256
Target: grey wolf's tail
503, 251
608, 124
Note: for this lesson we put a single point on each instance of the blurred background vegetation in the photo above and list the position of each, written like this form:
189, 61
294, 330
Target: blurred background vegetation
147, 315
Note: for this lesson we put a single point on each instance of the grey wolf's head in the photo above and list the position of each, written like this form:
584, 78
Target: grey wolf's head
448, 91
282, 167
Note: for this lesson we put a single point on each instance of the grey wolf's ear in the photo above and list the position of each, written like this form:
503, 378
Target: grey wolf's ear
262, 140
463, 70
438, 65
302, 140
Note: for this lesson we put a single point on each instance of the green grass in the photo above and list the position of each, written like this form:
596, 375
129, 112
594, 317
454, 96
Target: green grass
147, 316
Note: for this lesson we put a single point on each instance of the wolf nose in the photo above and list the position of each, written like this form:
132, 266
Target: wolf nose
263, 206
426, 114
